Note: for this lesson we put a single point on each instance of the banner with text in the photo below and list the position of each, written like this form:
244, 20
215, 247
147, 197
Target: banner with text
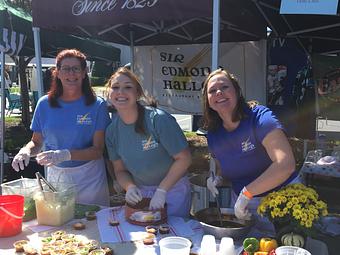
174, 74
323, 7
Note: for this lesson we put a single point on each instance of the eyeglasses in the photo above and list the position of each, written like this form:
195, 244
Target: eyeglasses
68, 69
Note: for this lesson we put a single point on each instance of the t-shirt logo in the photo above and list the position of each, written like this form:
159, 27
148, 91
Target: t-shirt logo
149, 144
84, 119
247, 145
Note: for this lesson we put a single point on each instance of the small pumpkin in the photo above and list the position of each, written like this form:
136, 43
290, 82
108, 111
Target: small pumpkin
293, 239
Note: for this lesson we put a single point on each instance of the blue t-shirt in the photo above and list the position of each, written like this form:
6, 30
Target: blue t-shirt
240, 152
147, 157
71, 126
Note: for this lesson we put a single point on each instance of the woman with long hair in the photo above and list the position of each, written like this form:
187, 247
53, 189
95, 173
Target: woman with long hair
247, 142
147, 148
69, 125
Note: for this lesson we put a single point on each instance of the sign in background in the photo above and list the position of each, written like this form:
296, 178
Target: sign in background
174, 74
324, 7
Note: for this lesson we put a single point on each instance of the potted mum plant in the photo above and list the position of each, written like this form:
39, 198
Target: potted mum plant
293, 210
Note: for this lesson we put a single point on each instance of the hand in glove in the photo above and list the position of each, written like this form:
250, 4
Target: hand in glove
212, 183
23, 157
48, 158
158, 199
240, 208
133, 195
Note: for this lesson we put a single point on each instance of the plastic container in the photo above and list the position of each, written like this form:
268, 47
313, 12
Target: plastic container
174, 245
291, 250
11, 213
56, 208
25, 187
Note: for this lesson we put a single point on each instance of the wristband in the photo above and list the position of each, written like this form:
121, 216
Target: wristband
247, 193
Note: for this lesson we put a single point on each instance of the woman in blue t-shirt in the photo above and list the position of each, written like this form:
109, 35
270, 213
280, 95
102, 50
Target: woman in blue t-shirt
69, 125
247, 142
147, 148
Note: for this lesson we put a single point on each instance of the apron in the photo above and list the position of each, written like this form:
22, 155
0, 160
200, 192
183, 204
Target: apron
90, 180
178, 198
261, 223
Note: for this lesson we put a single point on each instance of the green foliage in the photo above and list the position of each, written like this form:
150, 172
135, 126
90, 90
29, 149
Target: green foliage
98, 81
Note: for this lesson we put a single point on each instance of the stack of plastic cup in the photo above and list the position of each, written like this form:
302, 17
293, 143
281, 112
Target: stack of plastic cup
208, 245
227, 246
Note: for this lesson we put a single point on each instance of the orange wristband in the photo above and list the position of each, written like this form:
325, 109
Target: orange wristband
247, 193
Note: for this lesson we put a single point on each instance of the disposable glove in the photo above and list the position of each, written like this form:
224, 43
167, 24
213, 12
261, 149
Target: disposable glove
158, 199
117, 187
133, 195
48, 158
212, 183
23, 157
240, 208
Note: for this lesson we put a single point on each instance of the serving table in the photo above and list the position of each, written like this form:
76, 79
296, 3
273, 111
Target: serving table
135, 247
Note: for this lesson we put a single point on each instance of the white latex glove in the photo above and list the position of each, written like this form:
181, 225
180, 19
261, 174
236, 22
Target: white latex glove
23, 157
117, 187
158, 199
212, 183
48, 158
133, 195
240, 208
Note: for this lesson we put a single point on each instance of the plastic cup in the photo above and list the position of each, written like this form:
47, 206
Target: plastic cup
227, 246
208, 245
11, 213
174, 245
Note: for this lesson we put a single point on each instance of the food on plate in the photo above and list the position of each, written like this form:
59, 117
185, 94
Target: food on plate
267, 244
327, 160
140, 214
146, 216
97, 252
113, 223
149, 239
90, 215
67, 237
251, 245
164, 229
19, 245
29, 249
79, 226
261, 253
293, 239
57, 234
151, 229
108, 250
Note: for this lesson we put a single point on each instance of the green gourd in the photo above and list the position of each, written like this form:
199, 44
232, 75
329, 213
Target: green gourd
293, 239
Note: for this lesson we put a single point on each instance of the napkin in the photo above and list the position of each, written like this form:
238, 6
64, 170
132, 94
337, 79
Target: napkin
125, 231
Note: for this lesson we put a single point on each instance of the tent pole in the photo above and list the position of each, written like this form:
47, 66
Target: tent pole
2, 128
132, 46
216, 34
37, 48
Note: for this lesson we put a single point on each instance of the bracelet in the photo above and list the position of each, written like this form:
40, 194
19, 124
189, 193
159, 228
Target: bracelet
247, 193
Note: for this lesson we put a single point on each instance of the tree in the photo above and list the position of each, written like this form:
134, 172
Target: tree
23, 4
22, 62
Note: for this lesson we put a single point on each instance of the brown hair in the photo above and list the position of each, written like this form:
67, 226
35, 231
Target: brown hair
56, 89
149, 101
211, 119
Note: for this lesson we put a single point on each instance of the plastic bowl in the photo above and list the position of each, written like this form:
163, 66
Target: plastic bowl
291, 250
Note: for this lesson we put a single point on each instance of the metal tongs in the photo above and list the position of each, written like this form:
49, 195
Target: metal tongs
219, 214
39, 178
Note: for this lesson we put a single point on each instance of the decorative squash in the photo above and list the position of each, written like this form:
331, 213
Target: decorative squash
293, 239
